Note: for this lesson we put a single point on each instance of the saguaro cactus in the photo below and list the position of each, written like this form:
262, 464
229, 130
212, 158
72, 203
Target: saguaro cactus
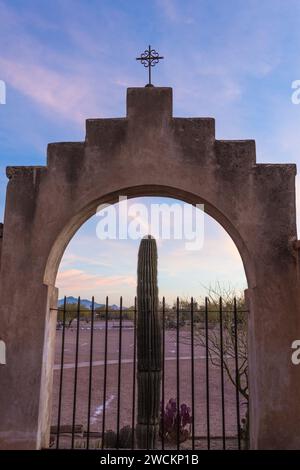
148, 346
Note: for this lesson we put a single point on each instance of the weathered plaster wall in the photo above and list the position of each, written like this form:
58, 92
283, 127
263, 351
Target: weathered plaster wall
149, 153
1, 238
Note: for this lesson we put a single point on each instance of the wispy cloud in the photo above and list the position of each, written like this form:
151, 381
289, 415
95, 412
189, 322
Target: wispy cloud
172, 12
79, 282
69, 82
181, 272
64, 95
71, 259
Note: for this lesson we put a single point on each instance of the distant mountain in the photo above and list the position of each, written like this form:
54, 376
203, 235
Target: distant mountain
86, 303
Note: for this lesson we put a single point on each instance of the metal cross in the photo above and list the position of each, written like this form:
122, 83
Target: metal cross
149, 58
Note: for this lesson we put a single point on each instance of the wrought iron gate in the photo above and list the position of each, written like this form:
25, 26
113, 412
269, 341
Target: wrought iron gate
204, 389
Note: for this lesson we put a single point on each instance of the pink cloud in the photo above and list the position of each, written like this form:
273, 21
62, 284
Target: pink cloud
65, 95
75, 279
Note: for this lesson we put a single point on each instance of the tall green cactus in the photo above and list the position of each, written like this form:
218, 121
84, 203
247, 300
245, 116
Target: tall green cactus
148, 346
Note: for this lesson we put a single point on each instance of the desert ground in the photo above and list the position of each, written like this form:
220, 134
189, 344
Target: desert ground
126, 388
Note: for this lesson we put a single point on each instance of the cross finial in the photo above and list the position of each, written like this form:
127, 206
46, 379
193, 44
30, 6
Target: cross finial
149, 58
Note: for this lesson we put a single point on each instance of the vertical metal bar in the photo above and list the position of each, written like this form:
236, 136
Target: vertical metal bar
105, 372
90, 374
61, 373
119, 375
177, 376
207, 374
75, 374
192, 373
237, 373
222, 372
134, 378
163, 378
149, 404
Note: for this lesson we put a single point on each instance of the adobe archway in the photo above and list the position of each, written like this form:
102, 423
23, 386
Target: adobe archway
149, 153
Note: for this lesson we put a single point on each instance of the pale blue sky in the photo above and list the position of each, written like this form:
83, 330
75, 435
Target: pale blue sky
64, 61
108, 267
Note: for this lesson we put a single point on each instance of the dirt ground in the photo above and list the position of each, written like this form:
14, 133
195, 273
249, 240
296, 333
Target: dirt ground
126, 387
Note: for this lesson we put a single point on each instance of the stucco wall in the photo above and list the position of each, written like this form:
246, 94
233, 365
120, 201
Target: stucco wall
149, 152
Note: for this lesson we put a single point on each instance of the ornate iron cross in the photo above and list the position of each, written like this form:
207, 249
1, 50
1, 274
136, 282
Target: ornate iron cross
149, 58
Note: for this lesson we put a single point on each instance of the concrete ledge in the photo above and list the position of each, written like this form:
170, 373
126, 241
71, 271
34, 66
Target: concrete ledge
154, 103
19, 171
238, 153
276, 168
202, 126
105, 132
58, 152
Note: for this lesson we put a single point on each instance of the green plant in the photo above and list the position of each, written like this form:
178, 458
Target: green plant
148, 346
71, 313
245, 431
110, 439
174, 421
125, 437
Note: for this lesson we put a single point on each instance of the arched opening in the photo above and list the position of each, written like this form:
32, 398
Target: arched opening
94, 374
148, 153
85, 213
